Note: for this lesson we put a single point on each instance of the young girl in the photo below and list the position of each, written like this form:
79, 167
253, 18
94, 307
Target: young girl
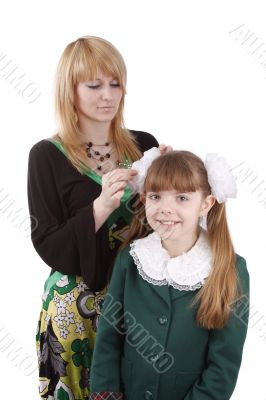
174, 321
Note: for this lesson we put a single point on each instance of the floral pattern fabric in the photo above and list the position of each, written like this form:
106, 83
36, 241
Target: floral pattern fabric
67, 326
68, 323
66, 337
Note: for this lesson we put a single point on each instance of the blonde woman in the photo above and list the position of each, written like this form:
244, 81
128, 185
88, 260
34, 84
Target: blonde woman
78, 192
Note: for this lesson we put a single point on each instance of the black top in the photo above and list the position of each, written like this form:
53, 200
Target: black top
61, 208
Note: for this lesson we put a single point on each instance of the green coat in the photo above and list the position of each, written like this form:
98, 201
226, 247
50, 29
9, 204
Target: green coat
148, 345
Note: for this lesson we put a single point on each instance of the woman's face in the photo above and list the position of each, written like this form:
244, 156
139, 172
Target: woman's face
98, 100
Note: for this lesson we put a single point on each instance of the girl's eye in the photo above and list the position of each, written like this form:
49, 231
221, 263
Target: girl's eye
183, 198
153, 196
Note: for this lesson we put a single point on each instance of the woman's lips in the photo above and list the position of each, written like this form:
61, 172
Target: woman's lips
107, 108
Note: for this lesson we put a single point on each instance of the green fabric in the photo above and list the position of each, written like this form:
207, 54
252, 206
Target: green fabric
51, 280
142, 325
123, 209
121, 212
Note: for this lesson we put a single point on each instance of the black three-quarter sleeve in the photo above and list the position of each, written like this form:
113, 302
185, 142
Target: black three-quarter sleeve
64, 235
61, 201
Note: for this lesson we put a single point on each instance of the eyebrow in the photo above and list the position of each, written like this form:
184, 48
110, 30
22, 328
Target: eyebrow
175, 192
100, 79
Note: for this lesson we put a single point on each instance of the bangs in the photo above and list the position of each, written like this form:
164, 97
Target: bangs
88, 62
170, 172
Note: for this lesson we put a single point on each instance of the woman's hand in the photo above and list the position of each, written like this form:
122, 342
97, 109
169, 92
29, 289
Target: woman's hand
165, 149
113, 185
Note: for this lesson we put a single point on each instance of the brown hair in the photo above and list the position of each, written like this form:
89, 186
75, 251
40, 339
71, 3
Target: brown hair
80, 62
185, 172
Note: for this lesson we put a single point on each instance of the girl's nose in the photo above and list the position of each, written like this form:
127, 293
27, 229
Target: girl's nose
166, 207
166, 210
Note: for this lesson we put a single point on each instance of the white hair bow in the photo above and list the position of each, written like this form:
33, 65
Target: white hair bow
220, 177
221, 180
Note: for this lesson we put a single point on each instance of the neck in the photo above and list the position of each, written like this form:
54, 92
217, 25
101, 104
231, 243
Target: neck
179, 246
95, 132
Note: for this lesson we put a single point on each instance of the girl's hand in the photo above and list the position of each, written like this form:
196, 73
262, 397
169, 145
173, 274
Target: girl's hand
165, 149
113, 185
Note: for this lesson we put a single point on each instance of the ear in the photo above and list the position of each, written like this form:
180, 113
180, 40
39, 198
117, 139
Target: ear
207, 204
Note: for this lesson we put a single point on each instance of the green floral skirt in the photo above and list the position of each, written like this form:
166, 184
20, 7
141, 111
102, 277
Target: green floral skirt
66, 337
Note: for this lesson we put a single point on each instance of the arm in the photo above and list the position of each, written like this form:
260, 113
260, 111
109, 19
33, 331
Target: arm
105, 373
224, 356
67, 243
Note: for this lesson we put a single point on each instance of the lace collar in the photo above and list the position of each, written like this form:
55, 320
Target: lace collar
186, 272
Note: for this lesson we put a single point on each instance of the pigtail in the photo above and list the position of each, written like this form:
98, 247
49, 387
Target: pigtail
220, 291
139, 227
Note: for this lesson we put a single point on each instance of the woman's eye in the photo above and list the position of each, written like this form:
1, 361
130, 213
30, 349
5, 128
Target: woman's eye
115, 84
93, 86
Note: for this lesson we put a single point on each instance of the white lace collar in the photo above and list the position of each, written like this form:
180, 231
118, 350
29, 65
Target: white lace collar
186, 272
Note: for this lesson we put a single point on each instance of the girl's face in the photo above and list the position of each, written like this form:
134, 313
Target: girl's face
98, 100
176, 215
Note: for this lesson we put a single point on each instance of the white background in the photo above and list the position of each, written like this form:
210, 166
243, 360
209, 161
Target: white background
195, 81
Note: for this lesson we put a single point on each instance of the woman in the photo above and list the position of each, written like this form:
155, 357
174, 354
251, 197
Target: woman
77, 191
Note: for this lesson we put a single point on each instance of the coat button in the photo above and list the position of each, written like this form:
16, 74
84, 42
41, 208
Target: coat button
148, 395
163, 320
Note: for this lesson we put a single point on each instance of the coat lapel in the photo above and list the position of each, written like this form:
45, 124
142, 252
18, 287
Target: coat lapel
163, 292
169, 294
177, 294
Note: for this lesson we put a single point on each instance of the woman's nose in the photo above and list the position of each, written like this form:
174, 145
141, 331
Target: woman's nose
106, 93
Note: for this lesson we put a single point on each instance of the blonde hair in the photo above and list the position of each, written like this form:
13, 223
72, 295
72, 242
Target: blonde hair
80, 62
185, 172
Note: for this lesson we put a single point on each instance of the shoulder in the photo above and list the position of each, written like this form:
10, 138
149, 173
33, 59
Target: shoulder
42, 145
44, 154
41, 150
47, 162
123, 262
38, 154
125, 257
145, 140
241, 265
242, 273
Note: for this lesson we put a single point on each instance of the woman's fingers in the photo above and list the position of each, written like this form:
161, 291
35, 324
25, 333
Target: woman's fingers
118, 175
113, 185
164, 148
117, 186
